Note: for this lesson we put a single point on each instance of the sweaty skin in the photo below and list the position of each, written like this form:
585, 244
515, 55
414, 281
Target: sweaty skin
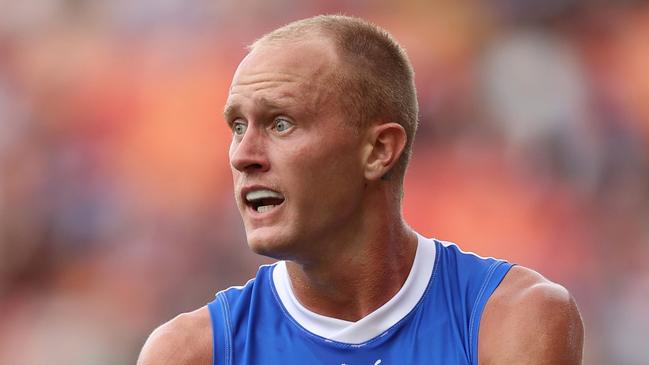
290, 136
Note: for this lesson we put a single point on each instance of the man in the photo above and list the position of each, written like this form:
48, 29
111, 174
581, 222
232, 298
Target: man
323, 113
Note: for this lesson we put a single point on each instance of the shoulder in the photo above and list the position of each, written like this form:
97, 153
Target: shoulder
186, 339
530, 320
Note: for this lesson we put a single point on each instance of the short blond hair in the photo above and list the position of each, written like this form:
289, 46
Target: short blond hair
377, 81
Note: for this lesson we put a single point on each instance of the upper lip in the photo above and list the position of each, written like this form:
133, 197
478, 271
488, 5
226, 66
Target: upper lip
251, 188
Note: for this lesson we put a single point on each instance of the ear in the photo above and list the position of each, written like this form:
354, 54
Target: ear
385, 145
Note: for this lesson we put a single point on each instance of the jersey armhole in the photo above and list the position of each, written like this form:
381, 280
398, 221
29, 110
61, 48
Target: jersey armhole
494, 277
221, 330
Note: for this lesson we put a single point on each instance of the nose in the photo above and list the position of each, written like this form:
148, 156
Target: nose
249, 153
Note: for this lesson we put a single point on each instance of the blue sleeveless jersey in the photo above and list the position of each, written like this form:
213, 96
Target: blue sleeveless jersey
251, 325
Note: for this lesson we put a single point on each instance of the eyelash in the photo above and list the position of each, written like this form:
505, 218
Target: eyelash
280, 119
234, 124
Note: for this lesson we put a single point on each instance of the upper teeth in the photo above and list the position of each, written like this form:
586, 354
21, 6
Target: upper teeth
263, 194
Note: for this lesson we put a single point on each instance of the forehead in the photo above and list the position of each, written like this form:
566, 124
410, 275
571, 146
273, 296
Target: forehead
308, 57
285, 71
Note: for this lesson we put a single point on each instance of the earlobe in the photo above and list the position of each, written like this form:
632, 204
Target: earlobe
386, 144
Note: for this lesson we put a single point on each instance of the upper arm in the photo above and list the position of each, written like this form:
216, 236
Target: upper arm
186, 339
530, 320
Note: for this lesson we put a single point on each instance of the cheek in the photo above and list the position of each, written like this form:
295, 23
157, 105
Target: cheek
323, 162
327, 176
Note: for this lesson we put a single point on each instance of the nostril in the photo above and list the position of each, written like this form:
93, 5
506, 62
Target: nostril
248, 161
248, 165
254, 166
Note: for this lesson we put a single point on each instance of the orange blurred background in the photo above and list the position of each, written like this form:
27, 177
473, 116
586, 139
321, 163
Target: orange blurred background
116, 209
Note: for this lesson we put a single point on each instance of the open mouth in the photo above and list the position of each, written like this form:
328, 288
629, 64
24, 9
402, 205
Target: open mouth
263, 200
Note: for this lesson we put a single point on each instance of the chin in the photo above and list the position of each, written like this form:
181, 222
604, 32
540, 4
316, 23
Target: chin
267, 244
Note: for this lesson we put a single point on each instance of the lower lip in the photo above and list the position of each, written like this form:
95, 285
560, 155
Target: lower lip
262, 215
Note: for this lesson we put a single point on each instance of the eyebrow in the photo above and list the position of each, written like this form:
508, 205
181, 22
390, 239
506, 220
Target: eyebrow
230, 111
269, 105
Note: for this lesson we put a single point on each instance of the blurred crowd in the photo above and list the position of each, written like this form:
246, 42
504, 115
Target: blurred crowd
116, 207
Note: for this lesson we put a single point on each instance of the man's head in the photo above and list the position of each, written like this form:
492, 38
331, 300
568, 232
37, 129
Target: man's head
319, 118
375, 79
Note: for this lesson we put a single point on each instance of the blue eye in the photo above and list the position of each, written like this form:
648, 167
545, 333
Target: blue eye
239, 128
282, 125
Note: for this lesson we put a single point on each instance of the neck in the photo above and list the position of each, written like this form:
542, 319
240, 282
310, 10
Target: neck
368, 267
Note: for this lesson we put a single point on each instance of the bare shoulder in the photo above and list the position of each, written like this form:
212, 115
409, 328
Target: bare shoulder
186, 339
530, 320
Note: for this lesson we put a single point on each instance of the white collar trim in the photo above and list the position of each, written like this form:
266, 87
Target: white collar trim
375, 323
